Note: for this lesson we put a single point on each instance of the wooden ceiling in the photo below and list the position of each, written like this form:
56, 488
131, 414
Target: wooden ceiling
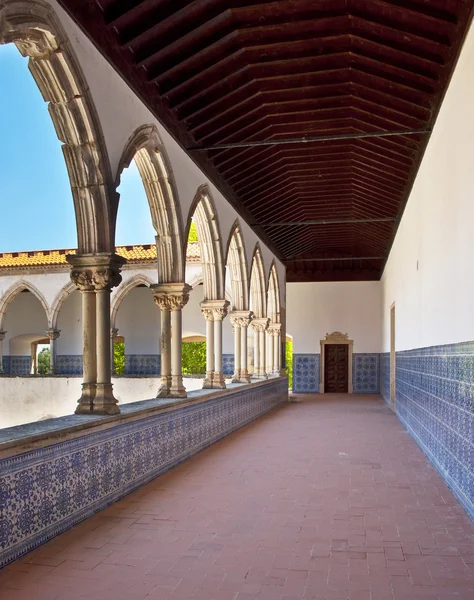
287, 106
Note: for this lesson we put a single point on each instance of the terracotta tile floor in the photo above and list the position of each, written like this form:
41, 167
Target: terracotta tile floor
328, 498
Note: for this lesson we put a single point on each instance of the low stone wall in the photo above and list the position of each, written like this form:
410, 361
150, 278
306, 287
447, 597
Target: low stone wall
35, 398
67, 478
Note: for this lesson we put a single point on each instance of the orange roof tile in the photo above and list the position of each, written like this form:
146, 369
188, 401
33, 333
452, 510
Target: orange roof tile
52, 258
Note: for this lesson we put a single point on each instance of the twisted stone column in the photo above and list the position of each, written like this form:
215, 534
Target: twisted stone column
240, 321
171, 298
214, 312
95, 276
3, 333
53, 335
260, 326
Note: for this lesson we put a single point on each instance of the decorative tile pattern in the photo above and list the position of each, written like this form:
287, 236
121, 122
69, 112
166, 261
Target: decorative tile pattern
228, 364
6, 364
365, 373
20, 365
435, 402
142, 364
68, 364
384, 379
306, 373
46, 491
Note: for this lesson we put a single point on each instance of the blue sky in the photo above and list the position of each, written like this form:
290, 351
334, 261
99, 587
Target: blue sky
36, 208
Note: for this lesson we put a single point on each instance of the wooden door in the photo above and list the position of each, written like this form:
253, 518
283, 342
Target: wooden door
336, 368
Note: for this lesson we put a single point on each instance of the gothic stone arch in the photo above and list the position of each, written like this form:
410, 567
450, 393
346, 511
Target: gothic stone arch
257, 284
147, 149
273, 295
35, 30
13, 292
236, 261
205, 216
123, 290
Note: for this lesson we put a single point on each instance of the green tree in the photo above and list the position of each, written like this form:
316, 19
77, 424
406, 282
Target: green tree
193, 234
119, 358
194, 358
289, 363
44, 361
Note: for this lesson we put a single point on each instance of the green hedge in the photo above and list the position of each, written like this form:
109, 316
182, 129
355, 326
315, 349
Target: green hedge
119, 358
194, 358
289, 363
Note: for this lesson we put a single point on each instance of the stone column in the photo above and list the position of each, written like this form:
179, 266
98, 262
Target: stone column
53, 335
113, 334
240, 321
260, 326
95, 276
214, 312
3, 333
269, 354
275, 330
171, 299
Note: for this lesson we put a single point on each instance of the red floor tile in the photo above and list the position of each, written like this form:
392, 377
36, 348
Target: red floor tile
327, 499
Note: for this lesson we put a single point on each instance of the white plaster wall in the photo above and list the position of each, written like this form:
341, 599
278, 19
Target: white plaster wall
193, 321
138, 320
70, 324
25, 315
314, 309
121, 113
430, 271
30, 399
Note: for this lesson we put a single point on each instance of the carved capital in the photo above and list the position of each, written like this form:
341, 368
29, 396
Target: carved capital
171, 296
241, 318
53, 334
113, 332
3, 333
95, 272
274, 329
259, 325
214, 310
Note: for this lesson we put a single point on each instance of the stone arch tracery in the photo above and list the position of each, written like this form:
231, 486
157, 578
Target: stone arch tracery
59, 301
257, 284
13, 292
123, 290
236, 262
273, 295
204, 214
35, 30
147, 149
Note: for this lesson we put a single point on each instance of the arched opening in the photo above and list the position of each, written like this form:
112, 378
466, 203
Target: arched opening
258, 302
24, 318
135, 329
67, 318
237, 270
144, 155
273, 296
38, 35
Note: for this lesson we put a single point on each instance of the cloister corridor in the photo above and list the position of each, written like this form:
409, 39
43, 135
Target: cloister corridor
327, 498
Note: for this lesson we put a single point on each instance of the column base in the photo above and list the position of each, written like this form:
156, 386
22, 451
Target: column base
214, 381
97, 399
105, 402
165, 388
241, 377
177, 388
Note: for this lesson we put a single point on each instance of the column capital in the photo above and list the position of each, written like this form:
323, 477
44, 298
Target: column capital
53, 334
274, 328
113, 332
171, 296
95, 272
260, 324
241, 318
214, 310
3, 333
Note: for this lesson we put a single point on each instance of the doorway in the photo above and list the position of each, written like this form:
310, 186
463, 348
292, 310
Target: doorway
336, 368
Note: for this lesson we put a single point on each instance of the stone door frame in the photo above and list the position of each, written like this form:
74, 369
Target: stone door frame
336, 337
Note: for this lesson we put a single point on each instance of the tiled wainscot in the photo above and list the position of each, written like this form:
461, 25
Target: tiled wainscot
46, 491
434, 399
142, 364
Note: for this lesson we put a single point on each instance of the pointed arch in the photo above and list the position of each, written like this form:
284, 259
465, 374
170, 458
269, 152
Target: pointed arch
123, 290
236, 261
204, 214
273, 295
147, 149
37, 33
58, 302
258, 303
13, 292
